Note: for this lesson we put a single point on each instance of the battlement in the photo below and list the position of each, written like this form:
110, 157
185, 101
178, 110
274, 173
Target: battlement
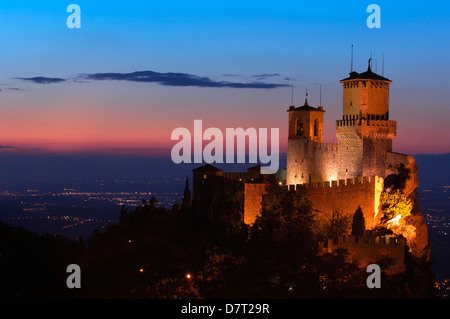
364, 122
355, 129
346, 195
368, 250
318, 145
349, 241
348, 183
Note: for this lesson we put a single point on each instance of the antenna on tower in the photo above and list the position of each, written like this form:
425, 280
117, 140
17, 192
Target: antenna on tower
382, 66
320, 95
351, 61
292, 94
306, 96
370, 58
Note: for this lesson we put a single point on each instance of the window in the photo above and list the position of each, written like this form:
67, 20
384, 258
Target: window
316, 127
299, 131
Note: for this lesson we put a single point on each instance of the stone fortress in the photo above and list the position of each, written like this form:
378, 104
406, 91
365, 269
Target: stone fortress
338, 177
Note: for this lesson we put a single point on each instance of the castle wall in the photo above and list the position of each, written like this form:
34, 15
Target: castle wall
368, 250
209, 189
363, 146
350, 156
346, 195
310, 161
374, 157
253, 196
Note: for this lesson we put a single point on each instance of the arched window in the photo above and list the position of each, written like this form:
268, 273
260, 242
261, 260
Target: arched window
299, 130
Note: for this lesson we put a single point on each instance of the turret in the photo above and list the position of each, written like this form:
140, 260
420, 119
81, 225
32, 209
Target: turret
306, 122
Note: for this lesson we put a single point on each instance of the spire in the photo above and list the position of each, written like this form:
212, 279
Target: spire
306, 96
186, 202
368, 67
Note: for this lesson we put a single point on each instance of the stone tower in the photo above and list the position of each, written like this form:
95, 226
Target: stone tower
306, 122
365, 132
308, 159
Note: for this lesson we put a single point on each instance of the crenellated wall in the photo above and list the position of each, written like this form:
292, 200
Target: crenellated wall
344, 196
369, 250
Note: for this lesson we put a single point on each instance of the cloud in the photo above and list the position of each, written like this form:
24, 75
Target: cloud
265, 75
42, 80
176, 79
3, 147
167, 79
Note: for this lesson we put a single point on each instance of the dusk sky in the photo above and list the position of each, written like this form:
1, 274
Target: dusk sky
233, 64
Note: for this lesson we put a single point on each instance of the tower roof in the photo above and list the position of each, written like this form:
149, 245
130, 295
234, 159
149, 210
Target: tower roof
305, 107
207, 168
368, 75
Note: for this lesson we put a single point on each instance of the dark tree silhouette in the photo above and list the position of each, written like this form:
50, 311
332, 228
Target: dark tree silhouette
359, 223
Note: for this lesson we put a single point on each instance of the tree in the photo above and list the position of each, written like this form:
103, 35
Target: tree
359, 223
281, 245
339, 224
395, 203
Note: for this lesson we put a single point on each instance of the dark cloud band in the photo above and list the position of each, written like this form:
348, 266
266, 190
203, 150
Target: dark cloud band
177, 79
167, 79
42, 80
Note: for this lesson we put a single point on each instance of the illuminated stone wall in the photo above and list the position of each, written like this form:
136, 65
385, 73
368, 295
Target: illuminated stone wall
253, 195
310, 161
344, 196
368, 250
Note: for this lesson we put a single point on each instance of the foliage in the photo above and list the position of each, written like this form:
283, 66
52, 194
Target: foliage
34, 265
397, 178
359, 223
395, 203
331, 225
154, 252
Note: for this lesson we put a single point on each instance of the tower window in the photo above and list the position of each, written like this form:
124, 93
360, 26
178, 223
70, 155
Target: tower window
316, 127
299, 130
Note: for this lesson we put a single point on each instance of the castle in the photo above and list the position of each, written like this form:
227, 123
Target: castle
338, 177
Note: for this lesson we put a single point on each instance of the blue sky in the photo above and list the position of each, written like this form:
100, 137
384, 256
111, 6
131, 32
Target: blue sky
299, 42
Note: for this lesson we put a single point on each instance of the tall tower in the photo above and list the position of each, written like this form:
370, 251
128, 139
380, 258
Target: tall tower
365, 132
